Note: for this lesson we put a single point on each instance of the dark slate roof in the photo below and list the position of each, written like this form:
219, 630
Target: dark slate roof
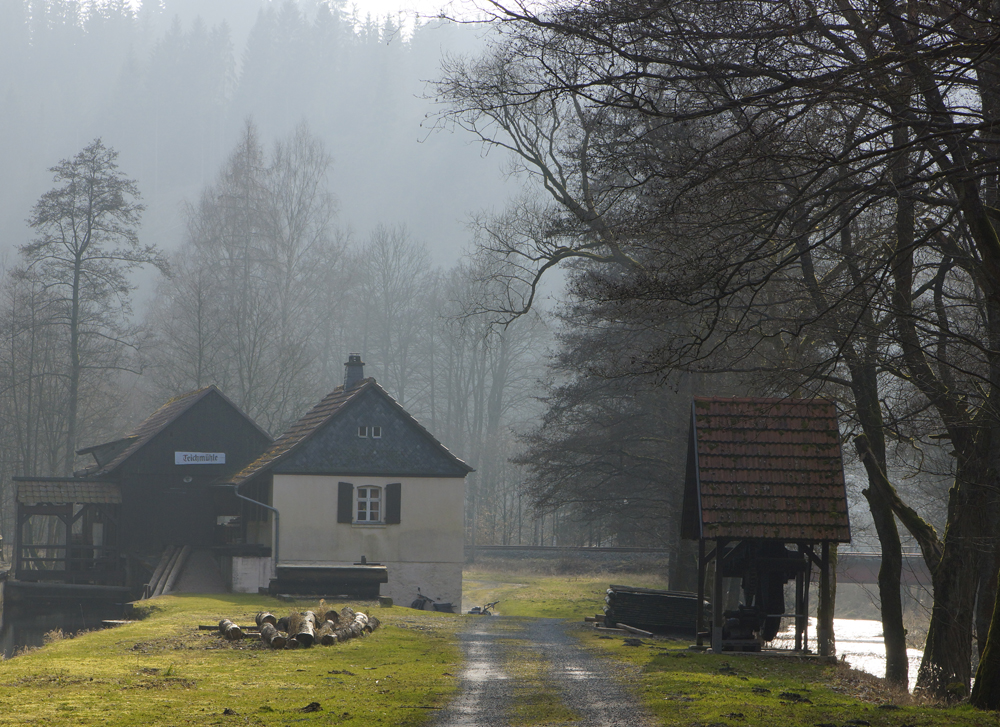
112, 454
765, 468
325, 441
66, 491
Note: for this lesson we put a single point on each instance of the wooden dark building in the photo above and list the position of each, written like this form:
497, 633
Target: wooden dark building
765, 488
157, 486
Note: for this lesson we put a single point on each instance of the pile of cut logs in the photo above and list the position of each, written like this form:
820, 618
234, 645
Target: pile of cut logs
304, 629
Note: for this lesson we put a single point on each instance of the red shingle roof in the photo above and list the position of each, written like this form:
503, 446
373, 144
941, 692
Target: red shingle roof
47, 490
766, 468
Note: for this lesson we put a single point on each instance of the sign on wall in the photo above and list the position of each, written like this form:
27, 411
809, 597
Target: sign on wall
199, 457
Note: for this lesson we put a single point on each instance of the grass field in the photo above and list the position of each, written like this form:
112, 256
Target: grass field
163, 670
553, 596
690, 688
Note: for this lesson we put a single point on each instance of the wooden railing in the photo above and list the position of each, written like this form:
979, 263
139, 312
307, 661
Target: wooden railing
96, 564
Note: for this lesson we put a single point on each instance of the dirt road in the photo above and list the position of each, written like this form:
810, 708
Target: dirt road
535, 670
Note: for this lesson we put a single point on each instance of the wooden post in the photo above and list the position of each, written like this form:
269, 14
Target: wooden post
800, 613
700, 618
717, 619
824, 622
807, 578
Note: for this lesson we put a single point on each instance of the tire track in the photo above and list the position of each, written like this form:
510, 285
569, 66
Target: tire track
585, 683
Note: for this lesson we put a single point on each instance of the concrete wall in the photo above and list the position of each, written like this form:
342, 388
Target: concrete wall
424, 550
249, 574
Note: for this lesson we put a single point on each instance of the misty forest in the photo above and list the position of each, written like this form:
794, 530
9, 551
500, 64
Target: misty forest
197, 208
543, 231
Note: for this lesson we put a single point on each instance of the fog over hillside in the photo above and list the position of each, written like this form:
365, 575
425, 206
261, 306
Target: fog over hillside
171, 87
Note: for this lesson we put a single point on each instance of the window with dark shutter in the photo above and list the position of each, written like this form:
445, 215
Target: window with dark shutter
392, 503
345, 502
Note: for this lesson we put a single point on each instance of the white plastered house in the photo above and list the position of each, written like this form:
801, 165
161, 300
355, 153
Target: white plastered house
358, 499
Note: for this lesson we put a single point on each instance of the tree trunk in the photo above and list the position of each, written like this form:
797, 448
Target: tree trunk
72, 404
231, 631
986, 691
946, 668
896, 663
272, 637
326, 635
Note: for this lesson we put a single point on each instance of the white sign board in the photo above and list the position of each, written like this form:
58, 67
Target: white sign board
199, 457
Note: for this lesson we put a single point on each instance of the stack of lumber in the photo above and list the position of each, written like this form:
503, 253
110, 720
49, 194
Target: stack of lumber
304, 629
659, 612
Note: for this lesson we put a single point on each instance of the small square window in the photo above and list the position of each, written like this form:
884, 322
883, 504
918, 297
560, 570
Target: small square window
362, 432
376, 432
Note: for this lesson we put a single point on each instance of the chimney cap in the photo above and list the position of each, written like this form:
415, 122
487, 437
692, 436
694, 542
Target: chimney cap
354, 371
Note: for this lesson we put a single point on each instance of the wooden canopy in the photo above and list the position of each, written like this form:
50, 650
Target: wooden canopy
763, 474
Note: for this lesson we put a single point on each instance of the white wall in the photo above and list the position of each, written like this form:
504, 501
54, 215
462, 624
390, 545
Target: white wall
424, 550
249, 574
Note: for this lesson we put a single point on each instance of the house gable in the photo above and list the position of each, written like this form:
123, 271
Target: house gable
211, 424
404, 448
198, 421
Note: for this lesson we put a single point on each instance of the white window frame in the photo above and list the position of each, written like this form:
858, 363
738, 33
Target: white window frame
373, 494
376, 432
362, 432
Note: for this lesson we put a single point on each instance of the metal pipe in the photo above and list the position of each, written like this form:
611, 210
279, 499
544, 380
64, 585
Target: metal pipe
236, 491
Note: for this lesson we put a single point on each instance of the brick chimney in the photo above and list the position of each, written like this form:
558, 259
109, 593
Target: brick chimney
354, 371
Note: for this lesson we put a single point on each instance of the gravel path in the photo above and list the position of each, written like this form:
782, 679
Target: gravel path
585, 683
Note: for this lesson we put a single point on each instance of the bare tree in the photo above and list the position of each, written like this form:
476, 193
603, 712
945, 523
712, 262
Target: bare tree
86, 244
250, 301
714, 148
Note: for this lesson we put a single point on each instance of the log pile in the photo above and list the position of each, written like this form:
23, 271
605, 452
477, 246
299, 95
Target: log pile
304, 629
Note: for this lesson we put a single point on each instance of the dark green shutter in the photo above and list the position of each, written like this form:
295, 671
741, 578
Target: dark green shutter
345, 502
392, 503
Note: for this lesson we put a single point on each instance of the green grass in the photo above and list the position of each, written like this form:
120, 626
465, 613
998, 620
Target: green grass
685, 687
162, 670
532, 594
682, 687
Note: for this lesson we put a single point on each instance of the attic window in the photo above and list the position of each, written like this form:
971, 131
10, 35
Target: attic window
362, 432
373, 432
376, 432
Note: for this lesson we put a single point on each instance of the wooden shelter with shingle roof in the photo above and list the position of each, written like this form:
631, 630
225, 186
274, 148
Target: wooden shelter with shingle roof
762, 475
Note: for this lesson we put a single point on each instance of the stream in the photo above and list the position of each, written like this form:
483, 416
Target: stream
859, 642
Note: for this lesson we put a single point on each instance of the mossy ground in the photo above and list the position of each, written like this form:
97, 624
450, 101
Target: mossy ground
163, 670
